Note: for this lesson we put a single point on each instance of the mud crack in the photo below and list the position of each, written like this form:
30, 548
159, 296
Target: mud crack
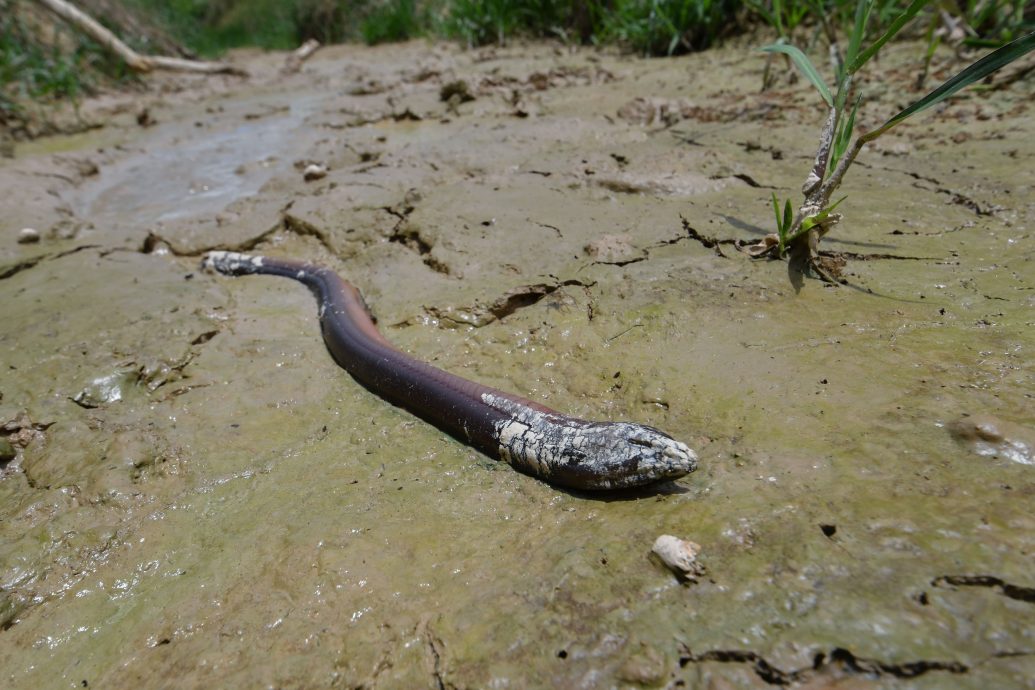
856, 256
26, 264
954, 196
1003, 587
704, 240
644, 253
967, 202
436, 649
20, 266
745, 178
155, 242
503, 306
298, 226
622, 262
838, 660
410, 237
288, 223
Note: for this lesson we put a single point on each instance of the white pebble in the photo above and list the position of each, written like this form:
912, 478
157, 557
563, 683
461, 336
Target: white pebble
28, 236
680, 556
314, 172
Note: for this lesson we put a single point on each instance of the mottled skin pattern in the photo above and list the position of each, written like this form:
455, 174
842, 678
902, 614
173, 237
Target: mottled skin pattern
594, 455
562, 450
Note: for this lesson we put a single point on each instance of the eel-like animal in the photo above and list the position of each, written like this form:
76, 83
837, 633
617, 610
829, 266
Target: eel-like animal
561, 450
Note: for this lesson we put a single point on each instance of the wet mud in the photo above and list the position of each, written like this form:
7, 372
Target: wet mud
193, 494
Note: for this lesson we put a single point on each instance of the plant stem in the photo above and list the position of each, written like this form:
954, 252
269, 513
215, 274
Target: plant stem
819, 166
822, 196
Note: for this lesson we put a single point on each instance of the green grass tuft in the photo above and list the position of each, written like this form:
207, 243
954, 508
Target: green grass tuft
39, 68
393, 21
479, 22
668, 27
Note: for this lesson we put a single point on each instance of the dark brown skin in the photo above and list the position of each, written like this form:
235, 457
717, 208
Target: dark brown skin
560, 449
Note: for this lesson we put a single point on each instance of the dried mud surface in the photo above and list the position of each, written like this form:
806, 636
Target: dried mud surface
195, 496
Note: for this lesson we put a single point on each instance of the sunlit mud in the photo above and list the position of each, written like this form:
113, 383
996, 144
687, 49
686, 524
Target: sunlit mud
197, 496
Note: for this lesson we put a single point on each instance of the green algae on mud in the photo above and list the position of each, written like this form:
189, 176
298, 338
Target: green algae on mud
259, 518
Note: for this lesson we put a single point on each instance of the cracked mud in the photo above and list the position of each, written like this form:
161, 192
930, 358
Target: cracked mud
191, 489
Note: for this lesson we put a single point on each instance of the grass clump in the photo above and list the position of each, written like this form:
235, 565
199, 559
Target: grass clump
42, 64
31, 69
989, 23
480, 22
669, 27
649, 27
393, 21
210, 27
800, 233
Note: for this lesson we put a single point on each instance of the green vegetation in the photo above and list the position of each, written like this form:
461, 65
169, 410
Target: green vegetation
209, 27
995, 22
30, 70
649, 27
40, 68
478, 22
395, 20
801, 233
40, 63
667, 27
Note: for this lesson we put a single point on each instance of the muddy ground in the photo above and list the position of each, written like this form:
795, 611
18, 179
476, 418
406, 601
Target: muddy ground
199, 497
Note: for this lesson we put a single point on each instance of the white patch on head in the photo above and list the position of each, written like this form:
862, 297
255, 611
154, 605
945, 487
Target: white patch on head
520, 438
232, 263
608, 455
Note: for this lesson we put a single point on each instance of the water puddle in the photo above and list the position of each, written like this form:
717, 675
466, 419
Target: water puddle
201, 170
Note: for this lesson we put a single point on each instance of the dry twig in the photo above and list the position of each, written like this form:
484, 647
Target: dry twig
140, 63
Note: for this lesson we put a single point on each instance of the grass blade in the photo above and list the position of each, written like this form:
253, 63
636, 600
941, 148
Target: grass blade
976, 72
895, 27
862, 18
844, 135
802, 62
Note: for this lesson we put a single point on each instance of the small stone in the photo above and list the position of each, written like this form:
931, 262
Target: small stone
314, 172
679, 556
28, 236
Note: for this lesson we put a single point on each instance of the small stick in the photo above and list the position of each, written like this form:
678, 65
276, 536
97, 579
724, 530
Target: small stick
301, 54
